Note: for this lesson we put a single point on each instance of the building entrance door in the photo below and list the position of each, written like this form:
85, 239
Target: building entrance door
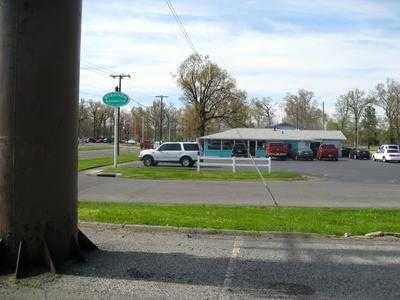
252, 148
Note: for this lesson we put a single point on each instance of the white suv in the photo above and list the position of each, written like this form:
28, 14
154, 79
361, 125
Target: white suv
387, 153
183, 153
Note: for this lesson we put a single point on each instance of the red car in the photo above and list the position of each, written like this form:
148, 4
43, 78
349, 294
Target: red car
328, 151
277, 150
146, 144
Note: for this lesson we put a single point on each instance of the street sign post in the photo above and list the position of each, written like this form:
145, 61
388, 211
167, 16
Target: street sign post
116, 100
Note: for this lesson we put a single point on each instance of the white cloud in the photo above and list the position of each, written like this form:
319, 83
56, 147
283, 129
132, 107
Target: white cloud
276, 61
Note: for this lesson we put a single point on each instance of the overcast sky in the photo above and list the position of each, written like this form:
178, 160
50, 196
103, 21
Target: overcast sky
271, 47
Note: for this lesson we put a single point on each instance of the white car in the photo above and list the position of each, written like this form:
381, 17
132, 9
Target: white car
183, 153
387, 153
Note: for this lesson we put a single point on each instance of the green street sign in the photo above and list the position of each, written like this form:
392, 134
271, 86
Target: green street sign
116, 99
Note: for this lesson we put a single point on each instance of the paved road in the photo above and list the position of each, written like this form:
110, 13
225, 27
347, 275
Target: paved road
347, 183
133, 264
314, 193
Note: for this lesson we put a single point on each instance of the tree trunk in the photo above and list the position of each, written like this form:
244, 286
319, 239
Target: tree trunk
39, 87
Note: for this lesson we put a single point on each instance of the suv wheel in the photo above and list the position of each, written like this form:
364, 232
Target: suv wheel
186, 161
148, 161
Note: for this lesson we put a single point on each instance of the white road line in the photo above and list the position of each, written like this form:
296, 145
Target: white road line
231, 267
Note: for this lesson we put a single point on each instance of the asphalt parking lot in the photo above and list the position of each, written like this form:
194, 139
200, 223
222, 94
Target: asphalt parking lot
171, 265
345, 170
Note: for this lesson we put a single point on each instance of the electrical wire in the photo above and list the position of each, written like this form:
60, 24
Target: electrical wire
181, 26
267, 187
103, 69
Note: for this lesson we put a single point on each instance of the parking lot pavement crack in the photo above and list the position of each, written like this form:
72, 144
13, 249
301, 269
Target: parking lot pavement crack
230, 271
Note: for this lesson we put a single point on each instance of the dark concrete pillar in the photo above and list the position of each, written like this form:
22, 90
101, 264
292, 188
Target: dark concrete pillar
39, 86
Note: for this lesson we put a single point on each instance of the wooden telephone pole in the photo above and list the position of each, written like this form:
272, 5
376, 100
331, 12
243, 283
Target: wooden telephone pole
39, 93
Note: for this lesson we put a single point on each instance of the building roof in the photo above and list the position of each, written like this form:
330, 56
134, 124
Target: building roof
284, 125
278, 135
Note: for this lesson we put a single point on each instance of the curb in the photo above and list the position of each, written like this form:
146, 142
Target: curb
229, 232
204, 231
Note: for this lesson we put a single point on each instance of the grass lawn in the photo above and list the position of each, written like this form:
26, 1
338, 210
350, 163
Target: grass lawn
172, 173
91, 163
305, 220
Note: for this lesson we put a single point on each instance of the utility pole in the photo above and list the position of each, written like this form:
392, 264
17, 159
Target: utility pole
117, 113
169, 128
323, 115
142, 139
38, 136
161, 97
297, 114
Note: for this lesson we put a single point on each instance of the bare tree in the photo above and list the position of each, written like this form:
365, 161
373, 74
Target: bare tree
263, 112
94, 108
356, 102
387, 96
302, 110
211, 91
342, 112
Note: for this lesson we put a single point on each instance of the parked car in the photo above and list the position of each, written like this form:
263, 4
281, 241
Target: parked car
346, 151
131, 142
90, 140
328, 151
303, 154
359, 153
390, 147
277, 150
183, 153
387, 154
239, 150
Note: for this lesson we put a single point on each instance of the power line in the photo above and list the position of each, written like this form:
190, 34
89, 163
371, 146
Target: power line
181, 25
98, 67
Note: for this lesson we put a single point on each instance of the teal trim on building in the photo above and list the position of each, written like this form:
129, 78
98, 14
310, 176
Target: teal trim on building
293, 146
260, 153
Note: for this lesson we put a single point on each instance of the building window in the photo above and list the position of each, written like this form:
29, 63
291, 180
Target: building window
261, 145
170, 147
227, 145
241, 142
214, 145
